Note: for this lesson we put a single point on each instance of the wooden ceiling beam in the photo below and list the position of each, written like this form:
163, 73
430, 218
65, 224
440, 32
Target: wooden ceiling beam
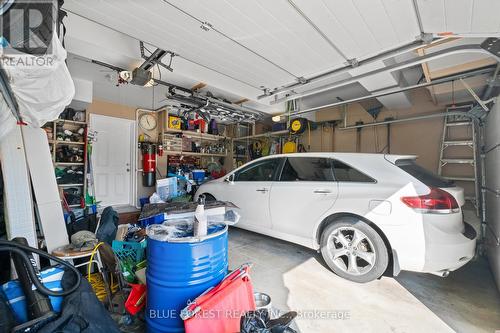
427, 75
198, 86
439, 42
468, 66
241, 101
425, 67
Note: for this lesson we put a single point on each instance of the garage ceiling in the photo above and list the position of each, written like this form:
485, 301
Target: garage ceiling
263, 43
460, 16
242, 46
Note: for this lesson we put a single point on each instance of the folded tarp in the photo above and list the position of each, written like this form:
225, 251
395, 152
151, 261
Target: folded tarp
41, 84
159, 212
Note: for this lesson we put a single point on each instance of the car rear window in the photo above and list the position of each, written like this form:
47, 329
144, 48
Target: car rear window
346, 173
425, 176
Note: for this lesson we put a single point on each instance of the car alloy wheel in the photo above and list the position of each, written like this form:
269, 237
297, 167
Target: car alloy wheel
351, 251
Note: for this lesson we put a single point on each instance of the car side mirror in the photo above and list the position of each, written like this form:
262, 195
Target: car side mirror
230, 178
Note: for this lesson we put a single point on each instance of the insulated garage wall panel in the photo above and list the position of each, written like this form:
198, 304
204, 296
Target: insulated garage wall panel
45, 187
17, 187
492, 166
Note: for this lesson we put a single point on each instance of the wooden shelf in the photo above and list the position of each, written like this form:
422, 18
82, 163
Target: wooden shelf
59, 142
196, 135
78, 182
69, 163
173, 131
190, 153
73, 122
263, 135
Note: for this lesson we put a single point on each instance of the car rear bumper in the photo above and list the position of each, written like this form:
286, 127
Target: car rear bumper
447, 252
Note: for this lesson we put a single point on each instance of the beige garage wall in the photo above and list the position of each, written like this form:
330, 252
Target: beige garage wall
110, 109
420, 138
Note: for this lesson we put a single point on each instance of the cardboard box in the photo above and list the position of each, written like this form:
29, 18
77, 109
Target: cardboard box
166, 188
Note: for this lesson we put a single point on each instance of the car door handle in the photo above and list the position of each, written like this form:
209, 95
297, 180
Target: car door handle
322, 191
263, 190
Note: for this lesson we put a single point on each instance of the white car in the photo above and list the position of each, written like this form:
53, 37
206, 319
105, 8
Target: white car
366, 213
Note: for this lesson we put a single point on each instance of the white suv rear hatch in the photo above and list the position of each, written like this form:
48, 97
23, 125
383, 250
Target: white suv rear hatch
430, 179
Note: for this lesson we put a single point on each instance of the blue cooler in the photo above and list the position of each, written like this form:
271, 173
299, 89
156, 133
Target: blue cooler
198, 175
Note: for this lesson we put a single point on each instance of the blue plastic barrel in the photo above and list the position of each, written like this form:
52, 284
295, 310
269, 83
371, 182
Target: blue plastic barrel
178, 271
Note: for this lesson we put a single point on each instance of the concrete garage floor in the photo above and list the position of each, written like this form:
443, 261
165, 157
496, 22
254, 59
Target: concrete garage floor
297, 279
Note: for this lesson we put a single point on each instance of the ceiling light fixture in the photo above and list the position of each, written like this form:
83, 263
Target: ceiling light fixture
126, 75
276, 119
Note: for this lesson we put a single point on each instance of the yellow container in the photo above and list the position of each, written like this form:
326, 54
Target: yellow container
289, 147
174, 122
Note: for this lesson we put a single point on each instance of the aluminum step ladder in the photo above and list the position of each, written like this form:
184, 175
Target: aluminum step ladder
471, 159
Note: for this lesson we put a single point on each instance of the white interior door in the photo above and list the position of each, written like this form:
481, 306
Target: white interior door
112, 159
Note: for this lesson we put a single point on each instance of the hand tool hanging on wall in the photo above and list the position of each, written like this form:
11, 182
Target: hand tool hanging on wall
255, 149
298, 126
389, 134
90, 198
358, 136
334, 124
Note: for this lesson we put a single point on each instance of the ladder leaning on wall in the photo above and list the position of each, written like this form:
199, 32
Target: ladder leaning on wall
447, 158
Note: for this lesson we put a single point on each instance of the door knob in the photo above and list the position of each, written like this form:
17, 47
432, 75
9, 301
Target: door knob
263, 190
322, 191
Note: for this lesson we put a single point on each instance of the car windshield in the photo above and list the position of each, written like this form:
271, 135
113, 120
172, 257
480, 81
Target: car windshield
422, 174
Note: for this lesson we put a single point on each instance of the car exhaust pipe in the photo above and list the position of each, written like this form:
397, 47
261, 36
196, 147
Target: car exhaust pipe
443, 274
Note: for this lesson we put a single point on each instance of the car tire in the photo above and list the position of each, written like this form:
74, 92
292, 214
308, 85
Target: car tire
362, 259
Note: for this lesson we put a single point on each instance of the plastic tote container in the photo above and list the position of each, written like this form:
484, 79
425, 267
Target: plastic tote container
179, 270
198, 175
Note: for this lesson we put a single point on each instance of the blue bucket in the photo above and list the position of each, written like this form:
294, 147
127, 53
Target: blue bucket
180, 270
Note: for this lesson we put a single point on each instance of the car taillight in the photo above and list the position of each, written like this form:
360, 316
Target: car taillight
437, 201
